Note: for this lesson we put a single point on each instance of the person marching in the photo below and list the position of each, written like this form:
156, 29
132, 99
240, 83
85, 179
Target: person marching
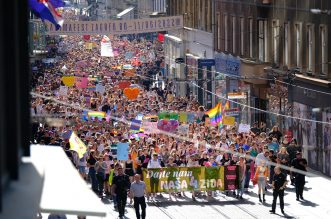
279, 183
261, 175
299, 163
137, 192
120, 187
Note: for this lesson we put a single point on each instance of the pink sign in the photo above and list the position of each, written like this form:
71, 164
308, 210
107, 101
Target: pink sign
81, 82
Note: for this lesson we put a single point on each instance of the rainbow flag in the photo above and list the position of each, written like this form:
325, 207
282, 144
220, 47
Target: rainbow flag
95, 114
215, 115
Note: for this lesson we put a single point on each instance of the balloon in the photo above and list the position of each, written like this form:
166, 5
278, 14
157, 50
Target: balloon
124, 84
68, 80
131, 93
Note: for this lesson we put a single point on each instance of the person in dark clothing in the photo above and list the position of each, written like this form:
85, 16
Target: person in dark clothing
255, 129
299, 163
275, 133
91, 160
279, 183
120, 187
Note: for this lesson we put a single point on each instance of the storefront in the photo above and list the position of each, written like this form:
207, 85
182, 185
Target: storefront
311, 101
174, 49
255, 83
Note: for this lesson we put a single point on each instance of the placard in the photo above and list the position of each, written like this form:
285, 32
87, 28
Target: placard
244, 128
122, 151
228, 120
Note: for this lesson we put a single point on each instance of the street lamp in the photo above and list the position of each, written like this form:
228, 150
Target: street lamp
320, 11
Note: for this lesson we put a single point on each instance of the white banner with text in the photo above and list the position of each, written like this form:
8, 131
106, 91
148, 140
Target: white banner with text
117, 27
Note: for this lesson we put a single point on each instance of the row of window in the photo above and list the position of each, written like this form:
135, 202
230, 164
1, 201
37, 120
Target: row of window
286, 46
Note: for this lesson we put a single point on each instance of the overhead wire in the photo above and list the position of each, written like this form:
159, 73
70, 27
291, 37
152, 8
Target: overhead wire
176, 136
261, 110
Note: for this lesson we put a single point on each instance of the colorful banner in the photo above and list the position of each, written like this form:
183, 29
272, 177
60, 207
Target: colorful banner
135, 125
150, 128
168, 115
117, 27
183, 117
189, 178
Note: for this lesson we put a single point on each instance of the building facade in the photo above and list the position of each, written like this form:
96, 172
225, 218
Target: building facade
198, 48
285, 59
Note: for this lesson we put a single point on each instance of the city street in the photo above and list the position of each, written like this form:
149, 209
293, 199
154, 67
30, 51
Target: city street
316, 205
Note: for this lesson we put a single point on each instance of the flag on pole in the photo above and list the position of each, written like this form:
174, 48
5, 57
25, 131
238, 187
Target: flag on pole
76, 144
215, 115
106, 48
227, 105
46, 10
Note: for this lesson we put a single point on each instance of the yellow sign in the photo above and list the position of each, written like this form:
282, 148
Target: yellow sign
76, 144
228, 120
89, 46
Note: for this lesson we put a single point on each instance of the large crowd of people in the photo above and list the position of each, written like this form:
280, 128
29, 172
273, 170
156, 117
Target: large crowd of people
204, 145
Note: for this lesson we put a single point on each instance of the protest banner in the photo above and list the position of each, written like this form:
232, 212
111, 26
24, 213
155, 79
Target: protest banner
76, 144
182, 117
179, 179
81, 82
100, 88
116, 27
183, 129
244, 128
232, 112
228, 120
122, 151
106, 48
168, 115
190, 117
167, 125
135, 125
63, 91
231, 177
68, 80
150, 127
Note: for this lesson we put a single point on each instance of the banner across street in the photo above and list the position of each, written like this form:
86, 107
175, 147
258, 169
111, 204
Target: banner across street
117, 27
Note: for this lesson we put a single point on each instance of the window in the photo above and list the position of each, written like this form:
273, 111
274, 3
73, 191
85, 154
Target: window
234, 33
250, 20
261, 40
242, 29
218, 31
298, 43
311, 42
287, 41
225, 32
324, 51
275, 36
265, 40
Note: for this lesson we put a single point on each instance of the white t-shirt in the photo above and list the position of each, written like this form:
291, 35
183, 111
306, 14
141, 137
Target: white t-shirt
101, 147
259, 158
153, 164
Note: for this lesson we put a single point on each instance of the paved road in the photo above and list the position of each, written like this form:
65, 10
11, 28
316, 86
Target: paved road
317, 205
